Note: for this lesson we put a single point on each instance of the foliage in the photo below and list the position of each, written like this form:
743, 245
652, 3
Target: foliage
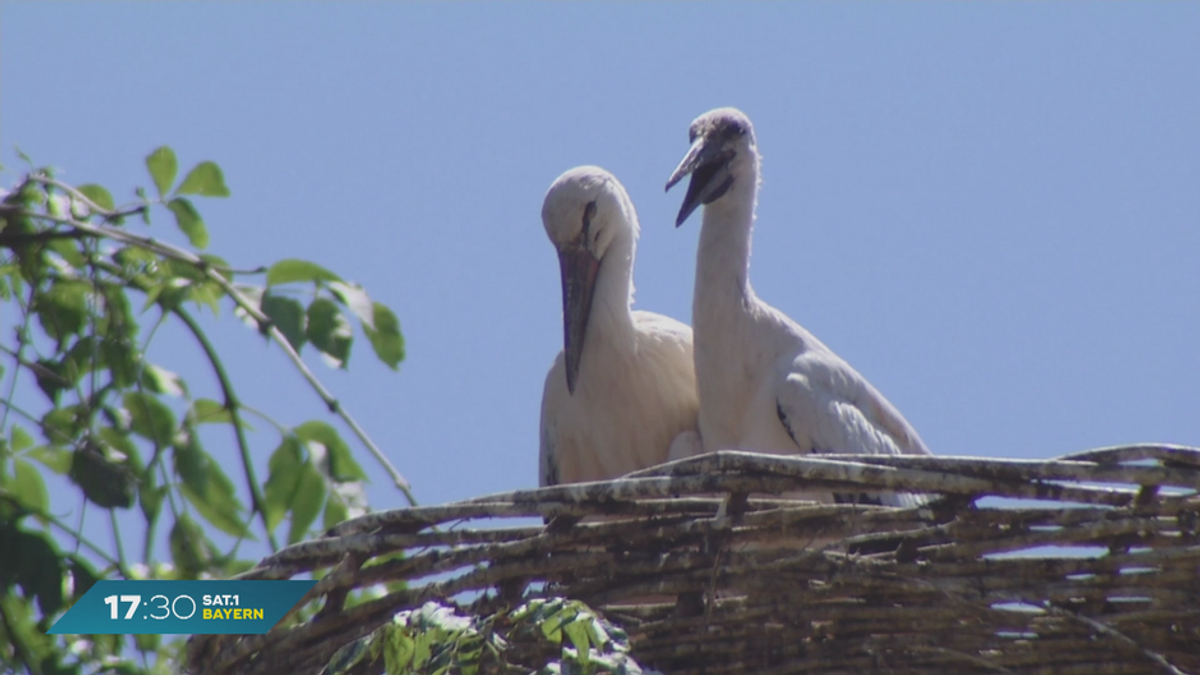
88, 295
434, 639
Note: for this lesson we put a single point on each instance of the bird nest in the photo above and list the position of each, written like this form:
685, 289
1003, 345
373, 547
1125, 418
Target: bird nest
1083, 564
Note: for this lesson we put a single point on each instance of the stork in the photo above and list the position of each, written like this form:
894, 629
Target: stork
766, 384
621, 395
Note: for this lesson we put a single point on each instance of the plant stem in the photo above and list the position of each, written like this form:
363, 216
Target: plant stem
233, 405
17, 355
116, 532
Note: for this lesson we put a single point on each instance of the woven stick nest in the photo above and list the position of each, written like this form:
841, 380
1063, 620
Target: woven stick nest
1095, 570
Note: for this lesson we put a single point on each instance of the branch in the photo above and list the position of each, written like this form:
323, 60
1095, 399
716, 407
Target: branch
182, 255
10, 239
108, 214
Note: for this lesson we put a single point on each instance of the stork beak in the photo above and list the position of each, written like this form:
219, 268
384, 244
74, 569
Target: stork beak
579, 269
709, 166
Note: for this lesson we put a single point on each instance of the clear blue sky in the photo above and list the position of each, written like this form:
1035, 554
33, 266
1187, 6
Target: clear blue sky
991, 210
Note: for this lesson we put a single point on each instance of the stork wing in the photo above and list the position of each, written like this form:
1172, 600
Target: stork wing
827, 407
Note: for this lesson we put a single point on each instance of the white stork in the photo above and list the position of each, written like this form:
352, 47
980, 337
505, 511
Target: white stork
766, 384
621, 395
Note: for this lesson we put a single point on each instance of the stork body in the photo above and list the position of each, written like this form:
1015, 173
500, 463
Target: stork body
766, 384
621, 396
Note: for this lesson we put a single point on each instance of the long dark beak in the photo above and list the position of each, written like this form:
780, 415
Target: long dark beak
579, 269
709, 167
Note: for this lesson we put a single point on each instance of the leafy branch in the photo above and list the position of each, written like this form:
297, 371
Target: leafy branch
288, 270
126, 431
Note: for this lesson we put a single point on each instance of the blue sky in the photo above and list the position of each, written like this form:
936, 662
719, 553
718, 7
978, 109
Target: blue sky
991, 210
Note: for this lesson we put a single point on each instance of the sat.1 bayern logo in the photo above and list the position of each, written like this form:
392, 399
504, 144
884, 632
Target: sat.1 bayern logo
182, 607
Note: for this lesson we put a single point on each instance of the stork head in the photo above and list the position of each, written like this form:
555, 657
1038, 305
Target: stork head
722, 142
585, 210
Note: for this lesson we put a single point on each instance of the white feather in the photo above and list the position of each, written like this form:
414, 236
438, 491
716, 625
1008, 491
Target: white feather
766, 384
635, 392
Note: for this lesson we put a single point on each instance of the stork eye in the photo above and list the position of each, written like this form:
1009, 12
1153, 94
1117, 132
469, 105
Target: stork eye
589, 212
734, 130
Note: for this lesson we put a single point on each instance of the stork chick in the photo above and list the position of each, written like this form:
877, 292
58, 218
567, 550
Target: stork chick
766, 384
621, 395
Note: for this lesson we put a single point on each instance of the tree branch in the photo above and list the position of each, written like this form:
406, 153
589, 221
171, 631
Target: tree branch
209, 271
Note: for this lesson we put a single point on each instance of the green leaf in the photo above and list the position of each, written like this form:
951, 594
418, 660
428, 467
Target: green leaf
208, 411
286, 471
150, 418
150, 498
288, 316
189, 221
421, 650
306, 506
329, 331
356, 298
398, 649
335, 511
51, 378
32, 561
122, 359
68, 250
61, 426
577, 631
163, 168
192, 465
204, 179
135, 260
116, 321
106, 483
189, 547
342, 467
29, 488
349, 655
100, 196
118, 444
146, 643
183, 269
292, 270
56, 459
218, 503
162, 381
552, 625
599, 635
62, 308
207, 294
385, 337
20, 439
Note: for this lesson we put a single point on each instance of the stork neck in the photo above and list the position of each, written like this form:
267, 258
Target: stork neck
723, 257
613, 296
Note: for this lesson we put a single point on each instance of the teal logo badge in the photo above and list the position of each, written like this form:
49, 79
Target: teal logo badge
219, 607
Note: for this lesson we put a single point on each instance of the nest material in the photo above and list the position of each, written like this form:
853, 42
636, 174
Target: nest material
710, 573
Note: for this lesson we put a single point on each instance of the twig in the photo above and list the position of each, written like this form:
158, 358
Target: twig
1154, 657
